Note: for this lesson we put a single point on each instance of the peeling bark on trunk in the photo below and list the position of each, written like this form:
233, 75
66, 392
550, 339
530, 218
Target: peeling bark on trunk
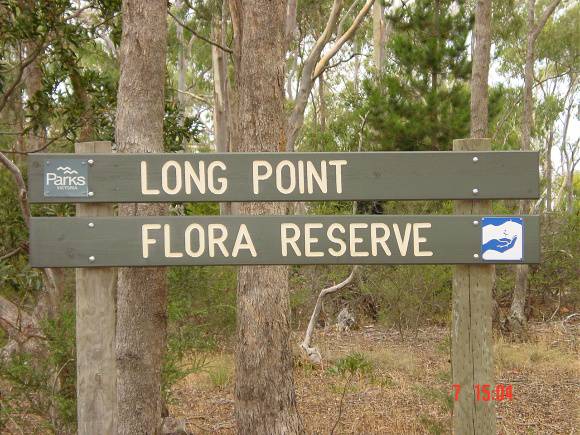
265, 399
142, 292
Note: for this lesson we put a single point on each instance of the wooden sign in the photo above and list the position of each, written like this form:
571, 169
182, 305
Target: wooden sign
282, 176
215, 240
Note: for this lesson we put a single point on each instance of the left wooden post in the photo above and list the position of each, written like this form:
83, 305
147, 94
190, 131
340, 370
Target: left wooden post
95, 328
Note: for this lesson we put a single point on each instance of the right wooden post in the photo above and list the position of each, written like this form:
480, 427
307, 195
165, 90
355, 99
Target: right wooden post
472, 340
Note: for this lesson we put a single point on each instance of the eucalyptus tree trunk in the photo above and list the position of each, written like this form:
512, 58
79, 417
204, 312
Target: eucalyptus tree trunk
142, 292
220, 85
480, 70
181, 66
517, 322
33, 85
221, 101
549, 170
322, 112
316, 63
264, 391
379, 35
50, 299
571, 159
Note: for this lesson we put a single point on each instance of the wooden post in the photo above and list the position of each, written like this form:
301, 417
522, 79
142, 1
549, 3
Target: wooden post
95, 330
472, 341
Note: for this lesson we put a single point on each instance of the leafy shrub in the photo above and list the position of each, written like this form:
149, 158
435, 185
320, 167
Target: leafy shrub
351, 364
42, 391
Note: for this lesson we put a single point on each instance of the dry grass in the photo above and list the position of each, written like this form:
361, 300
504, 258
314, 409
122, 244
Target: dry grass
407, 388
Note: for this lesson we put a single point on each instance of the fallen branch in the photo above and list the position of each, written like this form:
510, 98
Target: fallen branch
11, 253
312, 352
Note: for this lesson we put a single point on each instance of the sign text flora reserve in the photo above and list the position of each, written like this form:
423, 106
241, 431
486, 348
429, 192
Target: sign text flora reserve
214, 240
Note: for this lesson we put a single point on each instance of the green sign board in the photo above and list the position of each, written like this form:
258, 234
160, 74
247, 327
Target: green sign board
282, 176
214, 240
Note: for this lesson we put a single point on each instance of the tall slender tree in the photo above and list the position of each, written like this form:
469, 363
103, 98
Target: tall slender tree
265, 398
517, 321
142, 292
472, 356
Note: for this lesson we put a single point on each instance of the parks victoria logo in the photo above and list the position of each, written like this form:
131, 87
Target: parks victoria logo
66, 177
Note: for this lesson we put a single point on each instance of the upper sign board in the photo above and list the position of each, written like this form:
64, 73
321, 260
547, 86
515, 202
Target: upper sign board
283, 176
215, 240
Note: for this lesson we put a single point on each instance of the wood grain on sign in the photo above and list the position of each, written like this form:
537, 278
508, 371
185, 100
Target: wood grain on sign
296, 176
214, 240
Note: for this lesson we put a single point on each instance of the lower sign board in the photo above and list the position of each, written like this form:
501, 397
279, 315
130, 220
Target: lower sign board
239, 240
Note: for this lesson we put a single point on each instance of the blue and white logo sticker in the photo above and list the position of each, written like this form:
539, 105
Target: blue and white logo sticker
502, 239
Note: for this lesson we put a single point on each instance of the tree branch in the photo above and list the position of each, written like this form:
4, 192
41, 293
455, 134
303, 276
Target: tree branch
31, 57
203, 38
306, 82
341, 61
544, 18
195, 97
37, 150
11, 253
313, 353
22, 192
321, 65
342, 22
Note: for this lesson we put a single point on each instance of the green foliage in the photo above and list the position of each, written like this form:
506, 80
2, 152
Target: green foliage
220, 376
179, 129
43, 391
18, 281
421, 102
556, 278
351, 364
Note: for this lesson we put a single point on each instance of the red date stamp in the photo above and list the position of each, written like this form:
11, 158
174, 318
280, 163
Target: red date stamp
487, 392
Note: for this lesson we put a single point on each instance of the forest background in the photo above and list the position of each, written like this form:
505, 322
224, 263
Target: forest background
359, 76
